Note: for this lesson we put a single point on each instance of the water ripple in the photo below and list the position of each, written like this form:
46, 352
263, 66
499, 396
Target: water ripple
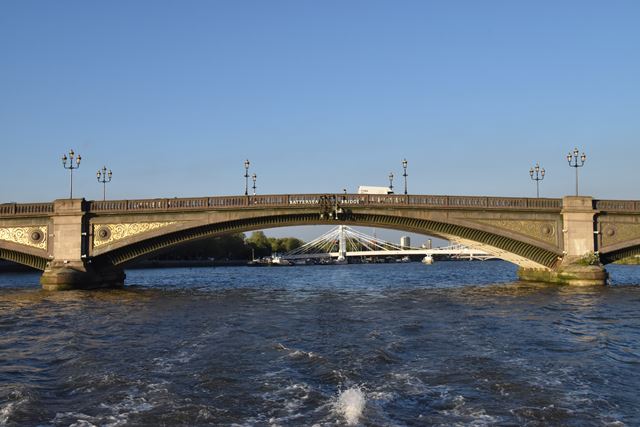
448, 344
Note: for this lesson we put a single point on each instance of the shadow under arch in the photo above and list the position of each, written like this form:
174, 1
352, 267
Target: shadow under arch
610, 257
30, 260
513, 250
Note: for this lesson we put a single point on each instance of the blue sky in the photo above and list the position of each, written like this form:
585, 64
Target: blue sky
319, 96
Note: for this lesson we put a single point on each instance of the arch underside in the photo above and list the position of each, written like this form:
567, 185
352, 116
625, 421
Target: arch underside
518, 252
29, 260
613, 256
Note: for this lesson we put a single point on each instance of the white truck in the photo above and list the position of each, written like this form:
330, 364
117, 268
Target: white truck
369, 189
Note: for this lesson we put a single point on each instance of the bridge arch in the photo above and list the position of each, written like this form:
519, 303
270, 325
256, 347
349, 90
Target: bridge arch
24, 255
626, 250
34, 261
511, 246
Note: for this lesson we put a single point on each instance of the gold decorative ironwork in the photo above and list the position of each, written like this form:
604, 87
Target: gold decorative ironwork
104, 234
541, 230
35, 237
618, 232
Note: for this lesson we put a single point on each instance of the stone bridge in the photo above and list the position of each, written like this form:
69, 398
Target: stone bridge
85, 244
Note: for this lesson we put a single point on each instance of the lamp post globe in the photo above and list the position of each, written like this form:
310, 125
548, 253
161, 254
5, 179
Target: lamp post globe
404, 166
71, 167
246, 177
104, 177
537, 174
254, 177
573, 158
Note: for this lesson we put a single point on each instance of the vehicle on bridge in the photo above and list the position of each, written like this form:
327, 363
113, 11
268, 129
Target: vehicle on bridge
368, 189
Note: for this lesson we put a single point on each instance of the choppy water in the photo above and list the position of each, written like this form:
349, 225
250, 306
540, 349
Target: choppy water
376, 345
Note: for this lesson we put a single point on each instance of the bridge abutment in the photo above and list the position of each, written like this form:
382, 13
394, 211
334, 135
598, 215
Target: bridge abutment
69, 267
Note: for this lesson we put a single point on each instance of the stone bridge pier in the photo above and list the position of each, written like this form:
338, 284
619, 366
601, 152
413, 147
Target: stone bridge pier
70, 267
579, 264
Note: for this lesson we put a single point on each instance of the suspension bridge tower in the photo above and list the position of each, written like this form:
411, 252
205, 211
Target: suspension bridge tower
342, 244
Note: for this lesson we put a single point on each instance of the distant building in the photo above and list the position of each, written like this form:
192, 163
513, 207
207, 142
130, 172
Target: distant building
405, 242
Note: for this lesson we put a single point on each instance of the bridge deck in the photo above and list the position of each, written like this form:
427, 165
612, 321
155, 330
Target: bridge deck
293, 200
306, 200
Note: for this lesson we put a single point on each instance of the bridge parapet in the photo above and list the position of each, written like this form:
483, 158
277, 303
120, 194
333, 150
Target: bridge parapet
432, 201
26, 209
307, 200
617, 205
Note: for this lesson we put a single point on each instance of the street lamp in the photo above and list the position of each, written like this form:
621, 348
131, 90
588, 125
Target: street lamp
254, 177
537, 174
572, 158
104, 177
391, 182
71, 167
246, 177
404, 166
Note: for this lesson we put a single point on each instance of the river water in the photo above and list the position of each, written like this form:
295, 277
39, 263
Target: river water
453, 343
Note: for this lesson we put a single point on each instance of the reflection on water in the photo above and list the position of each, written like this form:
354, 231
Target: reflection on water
448, 344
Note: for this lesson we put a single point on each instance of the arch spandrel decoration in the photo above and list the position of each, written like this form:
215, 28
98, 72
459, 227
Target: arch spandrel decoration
619, 232
545, 231
105, 234
34, 237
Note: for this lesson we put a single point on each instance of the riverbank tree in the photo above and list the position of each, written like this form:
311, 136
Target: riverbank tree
231, 247
265, 246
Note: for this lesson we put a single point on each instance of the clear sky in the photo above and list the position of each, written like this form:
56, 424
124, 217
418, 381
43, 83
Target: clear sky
173, 96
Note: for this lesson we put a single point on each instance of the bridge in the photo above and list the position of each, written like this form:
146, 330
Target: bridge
86, 244
343, 242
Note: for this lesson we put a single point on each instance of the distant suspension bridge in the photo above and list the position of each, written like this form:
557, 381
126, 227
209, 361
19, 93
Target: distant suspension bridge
343, 241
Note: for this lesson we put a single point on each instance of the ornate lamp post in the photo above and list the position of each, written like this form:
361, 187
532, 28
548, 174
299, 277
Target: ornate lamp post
246, 177
104, 177
391, 182
254, 177
71, 167
572, 158
537, 174
404, 166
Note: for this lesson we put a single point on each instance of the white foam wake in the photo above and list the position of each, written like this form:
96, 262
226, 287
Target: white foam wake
350, 405
5, 413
